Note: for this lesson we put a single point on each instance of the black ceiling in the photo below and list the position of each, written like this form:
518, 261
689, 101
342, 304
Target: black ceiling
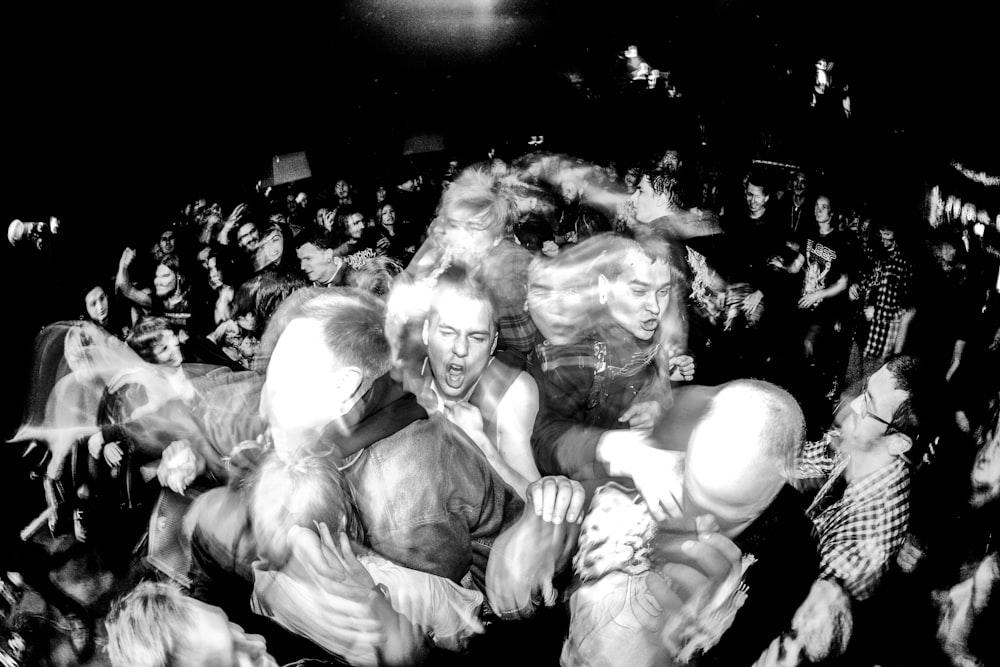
104, 104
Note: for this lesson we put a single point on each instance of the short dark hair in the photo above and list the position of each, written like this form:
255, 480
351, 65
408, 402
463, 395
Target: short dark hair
262, 293
916, 417
317, 236
761, 180
665, 183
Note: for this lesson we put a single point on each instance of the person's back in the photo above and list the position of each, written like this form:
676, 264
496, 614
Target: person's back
429, 500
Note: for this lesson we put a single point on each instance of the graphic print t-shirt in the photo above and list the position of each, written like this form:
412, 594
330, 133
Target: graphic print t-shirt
826, 259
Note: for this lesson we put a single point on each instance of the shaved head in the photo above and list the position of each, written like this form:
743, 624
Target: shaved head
741, 452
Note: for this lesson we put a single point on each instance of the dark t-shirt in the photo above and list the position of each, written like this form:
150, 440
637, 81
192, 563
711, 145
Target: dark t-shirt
827, 258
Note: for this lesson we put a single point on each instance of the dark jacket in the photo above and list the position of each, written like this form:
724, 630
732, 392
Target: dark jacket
785, 550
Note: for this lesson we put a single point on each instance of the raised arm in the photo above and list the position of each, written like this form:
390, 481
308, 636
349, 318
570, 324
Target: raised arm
123, 282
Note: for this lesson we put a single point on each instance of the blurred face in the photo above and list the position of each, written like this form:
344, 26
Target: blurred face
459, 335
646, 202
638, 296
165, 281
570, 190
380, 194
888, 238
167, 350
273, 246
301, 392
223, 643
167, 242
355, 225
868, 414
321, 213
248, 238
316, 263
945, 254
631, 180
387, 216
756, 199
799, 184
986, 470
463, 241
558, 305
203, 256
214, 274
822, 210
97, 305
341, 189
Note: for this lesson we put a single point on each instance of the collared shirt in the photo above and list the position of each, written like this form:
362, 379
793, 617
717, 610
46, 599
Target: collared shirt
888, 283
862, 530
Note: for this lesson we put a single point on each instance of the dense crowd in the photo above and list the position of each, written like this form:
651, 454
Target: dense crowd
537, 410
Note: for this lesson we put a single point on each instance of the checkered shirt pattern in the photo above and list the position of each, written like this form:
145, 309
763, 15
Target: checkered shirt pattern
862, 530
888, 290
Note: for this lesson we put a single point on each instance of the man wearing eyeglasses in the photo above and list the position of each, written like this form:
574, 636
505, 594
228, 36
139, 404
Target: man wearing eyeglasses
863, 465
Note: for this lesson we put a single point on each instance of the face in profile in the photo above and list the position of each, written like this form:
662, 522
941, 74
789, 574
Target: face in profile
459, 335
96, 302
638, 297
986, 469
644, 202
316, 263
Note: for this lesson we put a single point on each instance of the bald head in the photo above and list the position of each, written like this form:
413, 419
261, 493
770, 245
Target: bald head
741, 452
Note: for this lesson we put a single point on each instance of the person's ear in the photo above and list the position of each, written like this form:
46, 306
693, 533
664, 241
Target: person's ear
899, 443
425, 332
347, 380
603, 287
329, 255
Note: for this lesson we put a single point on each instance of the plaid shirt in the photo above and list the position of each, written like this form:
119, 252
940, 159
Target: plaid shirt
887, 288
505, 273
863, 529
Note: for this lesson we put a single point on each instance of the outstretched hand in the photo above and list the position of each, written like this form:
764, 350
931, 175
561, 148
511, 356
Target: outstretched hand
526, 557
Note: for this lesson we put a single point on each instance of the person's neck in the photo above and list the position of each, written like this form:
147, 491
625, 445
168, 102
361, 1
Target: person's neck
825, 228
798, 200
865, 463
758, 215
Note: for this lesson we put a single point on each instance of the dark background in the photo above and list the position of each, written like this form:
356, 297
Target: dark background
116, 118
